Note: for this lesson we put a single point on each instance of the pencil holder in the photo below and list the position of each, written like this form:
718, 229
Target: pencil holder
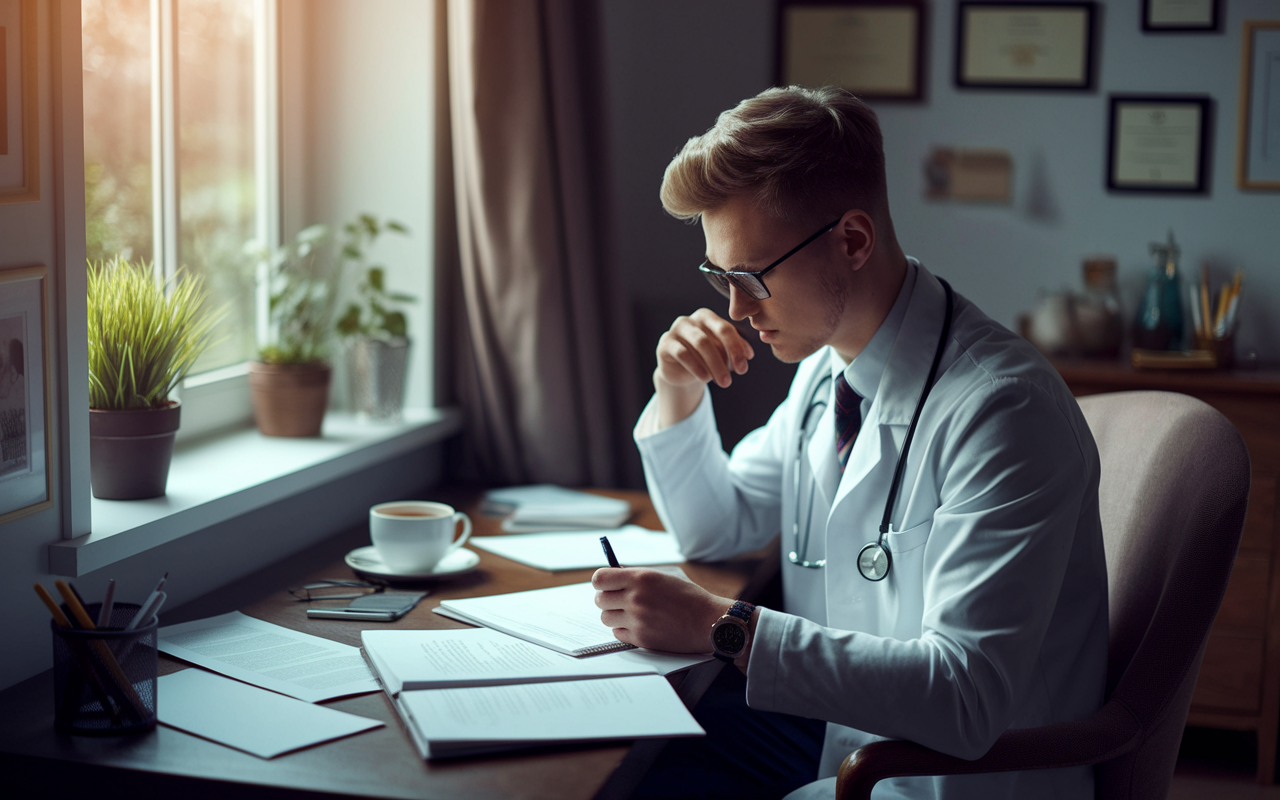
104, 681
1224, 349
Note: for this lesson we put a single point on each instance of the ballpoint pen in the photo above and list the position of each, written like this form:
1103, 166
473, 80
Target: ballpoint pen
608, 552
108, 604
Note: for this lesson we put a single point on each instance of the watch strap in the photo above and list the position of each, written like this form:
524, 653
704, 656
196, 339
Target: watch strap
742, 610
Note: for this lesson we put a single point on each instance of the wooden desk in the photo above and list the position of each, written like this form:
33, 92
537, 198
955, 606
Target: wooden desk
1239, 683
378, 764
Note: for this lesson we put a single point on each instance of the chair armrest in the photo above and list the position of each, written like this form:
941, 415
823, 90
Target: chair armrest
1111, 731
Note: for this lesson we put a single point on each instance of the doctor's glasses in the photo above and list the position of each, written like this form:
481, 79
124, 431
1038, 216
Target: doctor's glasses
752, 283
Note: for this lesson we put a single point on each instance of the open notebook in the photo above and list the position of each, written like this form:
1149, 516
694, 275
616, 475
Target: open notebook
463, 692
563, 618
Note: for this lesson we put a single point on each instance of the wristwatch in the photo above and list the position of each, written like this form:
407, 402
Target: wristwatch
730, 634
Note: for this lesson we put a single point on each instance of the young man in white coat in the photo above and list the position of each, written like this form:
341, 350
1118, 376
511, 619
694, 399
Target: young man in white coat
980, 602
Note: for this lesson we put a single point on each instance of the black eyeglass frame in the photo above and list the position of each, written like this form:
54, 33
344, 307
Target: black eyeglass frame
753, 282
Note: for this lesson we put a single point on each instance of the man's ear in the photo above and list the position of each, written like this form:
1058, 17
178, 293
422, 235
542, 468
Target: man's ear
856, 234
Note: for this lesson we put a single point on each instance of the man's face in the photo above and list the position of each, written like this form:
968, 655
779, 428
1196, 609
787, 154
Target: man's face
808, 292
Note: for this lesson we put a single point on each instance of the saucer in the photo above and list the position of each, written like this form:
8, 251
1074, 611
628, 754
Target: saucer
366, 561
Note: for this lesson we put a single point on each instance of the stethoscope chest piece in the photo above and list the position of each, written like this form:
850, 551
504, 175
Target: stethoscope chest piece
873, 561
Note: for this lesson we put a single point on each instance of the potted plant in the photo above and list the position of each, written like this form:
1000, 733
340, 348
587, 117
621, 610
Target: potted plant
375, 333
289, 383
144, 336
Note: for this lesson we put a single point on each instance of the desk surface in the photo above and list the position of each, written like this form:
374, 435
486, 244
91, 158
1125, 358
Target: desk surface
381, 763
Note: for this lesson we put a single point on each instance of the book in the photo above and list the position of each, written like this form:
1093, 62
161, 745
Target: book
447, 723
563, 618
581, 549
546, 507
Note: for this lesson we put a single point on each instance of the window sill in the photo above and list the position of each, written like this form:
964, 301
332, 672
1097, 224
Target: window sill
217, 478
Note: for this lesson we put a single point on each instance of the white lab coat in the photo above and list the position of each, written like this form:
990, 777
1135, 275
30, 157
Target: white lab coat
994, 613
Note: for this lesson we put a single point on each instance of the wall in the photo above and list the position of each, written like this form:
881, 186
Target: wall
672, 65
392, 181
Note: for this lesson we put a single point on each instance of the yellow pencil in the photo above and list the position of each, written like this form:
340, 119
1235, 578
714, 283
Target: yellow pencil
1205, 321
58, 616
1223, 299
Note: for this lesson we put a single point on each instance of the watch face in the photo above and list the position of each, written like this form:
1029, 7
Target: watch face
730, 638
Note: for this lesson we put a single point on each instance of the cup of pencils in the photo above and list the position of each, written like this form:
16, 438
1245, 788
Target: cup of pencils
1214, 318
104, 666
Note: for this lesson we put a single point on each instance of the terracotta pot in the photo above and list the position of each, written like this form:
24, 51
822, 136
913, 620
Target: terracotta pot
289, 399
130, 451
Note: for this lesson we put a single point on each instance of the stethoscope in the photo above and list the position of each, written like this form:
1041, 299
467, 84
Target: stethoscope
873, 559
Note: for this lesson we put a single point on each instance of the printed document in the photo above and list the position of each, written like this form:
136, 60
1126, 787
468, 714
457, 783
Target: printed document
455, 722
271, 656
254, 720
635, 546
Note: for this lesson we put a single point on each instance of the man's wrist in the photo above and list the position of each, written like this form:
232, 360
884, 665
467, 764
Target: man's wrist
676, 403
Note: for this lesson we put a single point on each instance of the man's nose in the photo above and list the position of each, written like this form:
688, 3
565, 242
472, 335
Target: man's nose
741, 304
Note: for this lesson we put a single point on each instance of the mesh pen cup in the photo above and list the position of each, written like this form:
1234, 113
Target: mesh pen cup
104, 681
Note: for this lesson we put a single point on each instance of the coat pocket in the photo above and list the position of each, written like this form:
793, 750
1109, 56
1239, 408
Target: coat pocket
912, 538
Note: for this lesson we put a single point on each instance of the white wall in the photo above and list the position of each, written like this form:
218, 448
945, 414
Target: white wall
672, 65
357, 91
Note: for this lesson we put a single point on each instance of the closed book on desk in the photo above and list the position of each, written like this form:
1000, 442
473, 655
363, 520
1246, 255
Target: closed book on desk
563, 618
453, 658
546, 507
447, 723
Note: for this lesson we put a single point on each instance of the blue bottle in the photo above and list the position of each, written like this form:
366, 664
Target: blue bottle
1159, 322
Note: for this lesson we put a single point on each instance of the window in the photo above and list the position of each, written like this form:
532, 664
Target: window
180, 150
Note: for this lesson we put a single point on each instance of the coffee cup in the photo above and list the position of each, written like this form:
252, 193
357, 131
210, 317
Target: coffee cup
413, 536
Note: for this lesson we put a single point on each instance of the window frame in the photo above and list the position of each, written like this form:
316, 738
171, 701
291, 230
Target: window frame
219, 398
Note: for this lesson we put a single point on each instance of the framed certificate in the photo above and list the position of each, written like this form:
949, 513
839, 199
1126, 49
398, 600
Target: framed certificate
26, 476
1024, 45
1158, 143
1180, 16
873, 49
1258, 148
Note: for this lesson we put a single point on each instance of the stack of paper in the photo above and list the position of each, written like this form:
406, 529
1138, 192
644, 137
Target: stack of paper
545, 507
635, 546
463, 692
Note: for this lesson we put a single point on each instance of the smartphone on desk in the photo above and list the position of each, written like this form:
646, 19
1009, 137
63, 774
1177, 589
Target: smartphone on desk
381, 607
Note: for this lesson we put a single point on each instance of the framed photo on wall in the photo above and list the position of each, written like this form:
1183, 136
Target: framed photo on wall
19, 109
875, 49
26, 479
1180, 16
1158, 143
1258, 146
1024, 45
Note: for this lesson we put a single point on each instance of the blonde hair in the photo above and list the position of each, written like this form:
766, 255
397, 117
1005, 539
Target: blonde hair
802, 154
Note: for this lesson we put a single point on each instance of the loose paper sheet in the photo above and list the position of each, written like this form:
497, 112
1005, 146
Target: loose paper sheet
271, 656
254, 720
634, 546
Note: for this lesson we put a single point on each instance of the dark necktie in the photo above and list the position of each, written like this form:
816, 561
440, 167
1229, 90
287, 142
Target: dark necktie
848, 419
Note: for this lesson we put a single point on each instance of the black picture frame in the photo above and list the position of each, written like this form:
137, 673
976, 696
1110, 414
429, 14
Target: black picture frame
911, 63
1211, 22
979, 56
1159, 143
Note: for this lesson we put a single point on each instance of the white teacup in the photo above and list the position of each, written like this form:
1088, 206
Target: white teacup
412, 536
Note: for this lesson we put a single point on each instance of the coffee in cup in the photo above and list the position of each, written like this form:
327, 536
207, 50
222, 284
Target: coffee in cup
412, 536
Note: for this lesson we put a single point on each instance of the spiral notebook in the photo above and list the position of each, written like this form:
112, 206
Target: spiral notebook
563, 618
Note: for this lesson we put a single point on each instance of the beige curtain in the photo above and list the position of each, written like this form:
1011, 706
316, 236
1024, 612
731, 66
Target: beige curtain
535, 362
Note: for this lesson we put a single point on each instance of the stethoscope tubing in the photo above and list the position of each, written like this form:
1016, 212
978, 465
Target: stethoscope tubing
814, 403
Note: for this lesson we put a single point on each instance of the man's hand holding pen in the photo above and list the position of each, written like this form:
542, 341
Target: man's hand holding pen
654, 609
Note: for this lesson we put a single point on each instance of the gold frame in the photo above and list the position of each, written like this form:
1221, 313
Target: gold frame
29, 190
44, 400
1243, 180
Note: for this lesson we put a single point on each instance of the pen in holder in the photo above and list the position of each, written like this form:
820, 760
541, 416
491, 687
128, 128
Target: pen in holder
105, 679
1223, 349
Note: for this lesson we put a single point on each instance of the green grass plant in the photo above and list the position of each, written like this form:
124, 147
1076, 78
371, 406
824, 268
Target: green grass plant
144, 334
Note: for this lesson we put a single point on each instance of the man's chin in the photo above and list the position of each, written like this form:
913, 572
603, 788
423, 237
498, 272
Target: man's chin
790, 354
